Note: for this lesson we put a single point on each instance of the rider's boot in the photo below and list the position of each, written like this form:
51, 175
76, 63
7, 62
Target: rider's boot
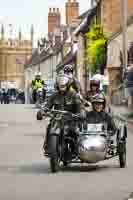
45, 145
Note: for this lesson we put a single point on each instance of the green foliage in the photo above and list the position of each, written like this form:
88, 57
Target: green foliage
96, 47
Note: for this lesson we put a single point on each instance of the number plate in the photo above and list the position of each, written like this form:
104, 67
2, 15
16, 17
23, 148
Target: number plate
95, 128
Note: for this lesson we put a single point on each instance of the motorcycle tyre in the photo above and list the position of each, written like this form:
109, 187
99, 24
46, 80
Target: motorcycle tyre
122, 155
53, 149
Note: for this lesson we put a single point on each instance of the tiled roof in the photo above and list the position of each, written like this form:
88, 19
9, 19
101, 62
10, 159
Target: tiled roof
36, 58
84, 25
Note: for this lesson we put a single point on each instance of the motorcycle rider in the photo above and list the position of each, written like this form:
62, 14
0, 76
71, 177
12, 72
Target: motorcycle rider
63, 99
74, 84
37, 83
94, 89
98, 114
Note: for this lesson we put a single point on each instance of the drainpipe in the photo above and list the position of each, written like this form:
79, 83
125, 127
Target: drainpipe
86, 70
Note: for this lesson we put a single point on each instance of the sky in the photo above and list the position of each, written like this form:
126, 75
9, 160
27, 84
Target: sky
26, 12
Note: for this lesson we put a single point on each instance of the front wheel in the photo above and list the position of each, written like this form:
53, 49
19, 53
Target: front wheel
53, 150
122, 155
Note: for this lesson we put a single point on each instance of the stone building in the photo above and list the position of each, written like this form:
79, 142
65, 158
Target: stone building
13, 55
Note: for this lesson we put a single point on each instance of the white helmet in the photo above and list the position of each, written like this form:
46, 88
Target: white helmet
38, 74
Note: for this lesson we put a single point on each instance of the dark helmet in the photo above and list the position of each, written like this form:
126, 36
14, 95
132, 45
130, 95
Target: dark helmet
99, 98
62, 82
95, 83
68, 69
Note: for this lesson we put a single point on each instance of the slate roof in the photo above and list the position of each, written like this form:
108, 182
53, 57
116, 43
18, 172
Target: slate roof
36, 58
84, 25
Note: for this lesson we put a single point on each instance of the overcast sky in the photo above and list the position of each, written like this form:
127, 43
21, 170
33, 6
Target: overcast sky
26, 12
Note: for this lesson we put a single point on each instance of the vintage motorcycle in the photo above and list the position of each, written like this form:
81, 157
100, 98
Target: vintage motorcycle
90, 143
40, 96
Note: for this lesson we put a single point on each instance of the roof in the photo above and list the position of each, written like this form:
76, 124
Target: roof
69, 58
83, 15
84, 25
36, 58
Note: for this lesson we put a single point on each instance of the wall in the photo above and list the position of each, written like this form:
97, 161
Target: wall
111, 14
113, 61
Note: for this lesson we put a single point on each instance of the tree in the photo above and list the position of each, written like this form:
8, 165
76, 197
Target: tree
96, 48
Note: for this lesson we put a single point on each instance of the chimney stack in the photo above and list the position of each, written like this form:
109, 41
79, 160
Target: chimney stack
54, 19
72, 11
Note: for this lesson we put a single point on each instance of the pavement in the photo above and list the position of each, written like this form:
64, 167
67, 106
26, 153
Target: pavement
121, 111
25, 173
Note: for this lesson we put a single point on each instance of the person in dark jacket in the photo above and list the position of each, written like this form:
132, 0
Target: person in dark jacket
98, 115
63, 99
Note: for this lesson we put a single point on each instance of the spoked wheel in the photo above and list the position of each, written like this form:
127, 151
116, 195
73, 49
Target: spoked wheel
122, 155
121, 138
54, 159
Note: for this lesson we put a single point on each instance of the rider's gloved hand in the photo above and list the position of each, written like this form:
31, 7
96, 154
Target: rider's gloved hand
45, 109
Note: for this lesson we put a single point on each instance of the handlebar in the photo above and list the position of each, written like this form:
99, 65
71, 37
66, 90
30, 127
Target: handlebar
63, 112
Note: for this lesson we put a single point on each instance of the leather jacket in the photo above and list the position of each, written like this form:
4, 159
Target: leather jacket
69, 101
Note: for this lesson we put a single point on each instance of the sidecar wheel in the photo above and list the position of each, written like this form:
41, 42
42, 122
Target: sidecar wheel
53, 149
122, 155
39, 115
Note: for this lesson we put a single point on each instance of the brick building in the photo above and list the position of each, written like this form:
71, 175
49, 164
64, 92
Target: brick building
111, 14
54, 19
72, 11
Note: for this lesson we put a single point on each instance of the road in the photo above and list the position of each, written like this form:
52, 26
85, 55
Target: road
25, 173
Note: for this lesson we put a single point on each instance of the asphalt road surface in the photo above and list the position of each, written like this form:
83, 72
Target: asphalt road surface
25, 173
